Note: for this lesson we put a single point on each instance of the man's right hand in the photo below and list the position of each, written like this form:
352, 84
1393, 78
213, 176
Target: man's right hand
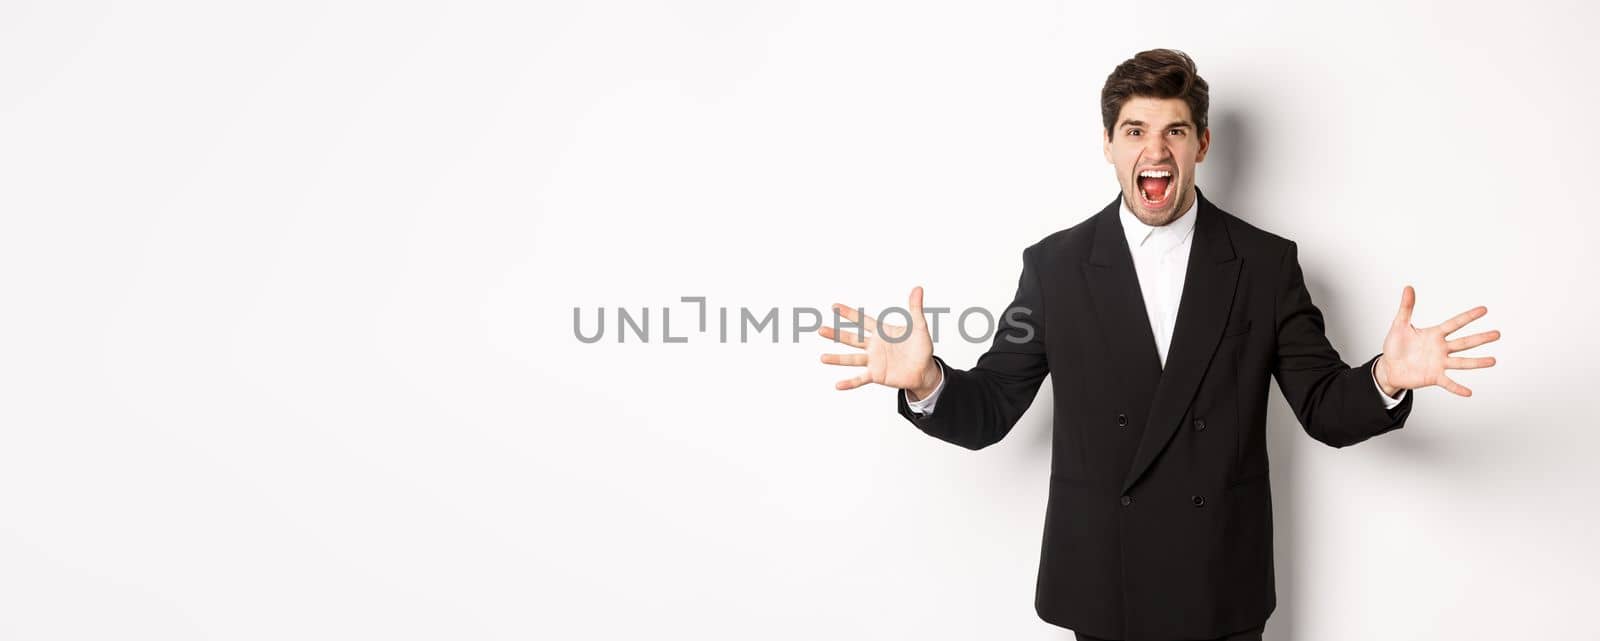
903, 360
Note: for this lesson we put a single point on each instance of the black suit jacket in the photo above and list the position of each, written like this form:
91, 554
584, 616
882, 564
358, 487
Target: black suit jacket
1159, 524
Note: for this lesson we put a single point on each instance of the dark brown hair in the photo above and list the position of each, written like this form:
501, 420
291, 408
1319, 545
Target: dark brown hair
1157, 73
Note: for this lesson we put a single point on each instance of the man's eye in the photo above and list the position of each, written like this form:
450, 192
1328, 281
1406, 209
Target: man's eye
1176, 132
1133, 132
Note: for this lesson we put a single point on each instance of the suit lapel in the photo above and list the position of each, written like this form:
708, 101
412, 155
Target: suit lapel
1208, 289
1119, 303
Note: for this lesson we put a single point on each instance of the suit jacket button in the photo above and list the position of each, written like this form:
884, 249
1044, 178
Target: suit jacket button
1199, 501
1126, 500
1199, 424
1122, 420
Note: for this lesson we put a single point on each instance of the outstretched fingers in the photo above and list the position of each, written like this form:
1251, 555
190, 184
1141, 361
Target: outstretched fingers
850, 314
853, 360
1469, 342
849, 360
852, 383
850, 338
1460, 320
1408, 301
1453, 387
1468, 363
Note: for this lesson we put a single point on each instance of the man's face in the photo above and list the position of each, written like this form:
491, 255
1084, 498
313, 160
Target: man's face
1155, 147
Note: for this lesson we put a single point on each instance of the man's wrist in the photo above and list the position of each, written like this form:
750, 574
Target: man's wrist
932, 375
1380, 375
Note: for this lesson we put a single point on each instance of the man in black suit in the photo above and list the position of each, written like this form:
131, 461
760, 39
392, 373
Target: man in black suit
1161, 318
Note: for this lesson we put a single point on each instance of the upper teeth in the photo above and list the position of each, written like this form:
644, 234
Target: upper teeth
1151, 173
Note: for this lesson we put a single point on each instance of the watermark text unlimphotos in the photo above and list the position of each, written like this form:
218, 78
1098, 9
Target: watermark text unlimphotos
758, 325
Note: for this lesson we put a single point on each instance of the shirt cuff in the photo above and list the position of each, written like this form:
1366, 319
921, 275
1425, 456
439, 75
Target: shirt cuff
924, 406
1388, 403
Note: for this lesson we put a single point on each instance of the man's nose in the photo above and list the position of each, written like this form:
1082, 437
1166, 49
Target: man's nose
1156, 149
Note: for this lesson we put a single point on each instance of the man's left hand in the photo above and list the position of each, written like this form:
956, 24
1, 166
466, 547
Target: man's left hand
1414, 358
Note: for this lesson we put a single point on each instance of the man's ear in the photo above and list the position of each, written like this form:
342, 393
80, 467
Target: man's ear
1105, 145
1205, 145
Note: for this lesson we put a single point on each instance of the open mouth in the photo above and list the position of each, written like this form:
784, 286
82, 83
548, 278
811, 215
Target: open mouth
1155, 185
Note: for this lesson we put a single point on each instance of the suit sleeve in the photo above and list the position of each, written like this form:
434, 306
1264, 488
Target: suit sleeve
1334, 402
978, 407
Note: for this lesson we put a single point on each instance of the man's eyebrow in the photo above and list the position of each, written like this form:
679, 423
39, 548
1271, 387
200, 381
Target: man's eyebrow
1140, 123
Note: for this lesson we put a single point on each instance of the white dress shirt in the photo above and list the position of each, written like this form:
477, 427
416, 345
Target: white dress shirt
1161, 260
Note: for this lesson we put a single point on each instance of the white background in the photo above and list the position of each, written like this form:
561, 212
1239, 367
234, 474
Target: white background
287, 345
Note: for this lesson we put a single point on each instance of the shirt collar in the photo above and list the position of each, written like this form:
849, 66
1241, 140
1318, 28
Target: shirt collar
1160, 238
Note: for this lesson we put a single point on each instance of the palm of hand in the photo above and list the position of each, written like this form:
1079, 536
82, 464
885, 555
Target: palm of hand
894, 356
896, 359
1415, 358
